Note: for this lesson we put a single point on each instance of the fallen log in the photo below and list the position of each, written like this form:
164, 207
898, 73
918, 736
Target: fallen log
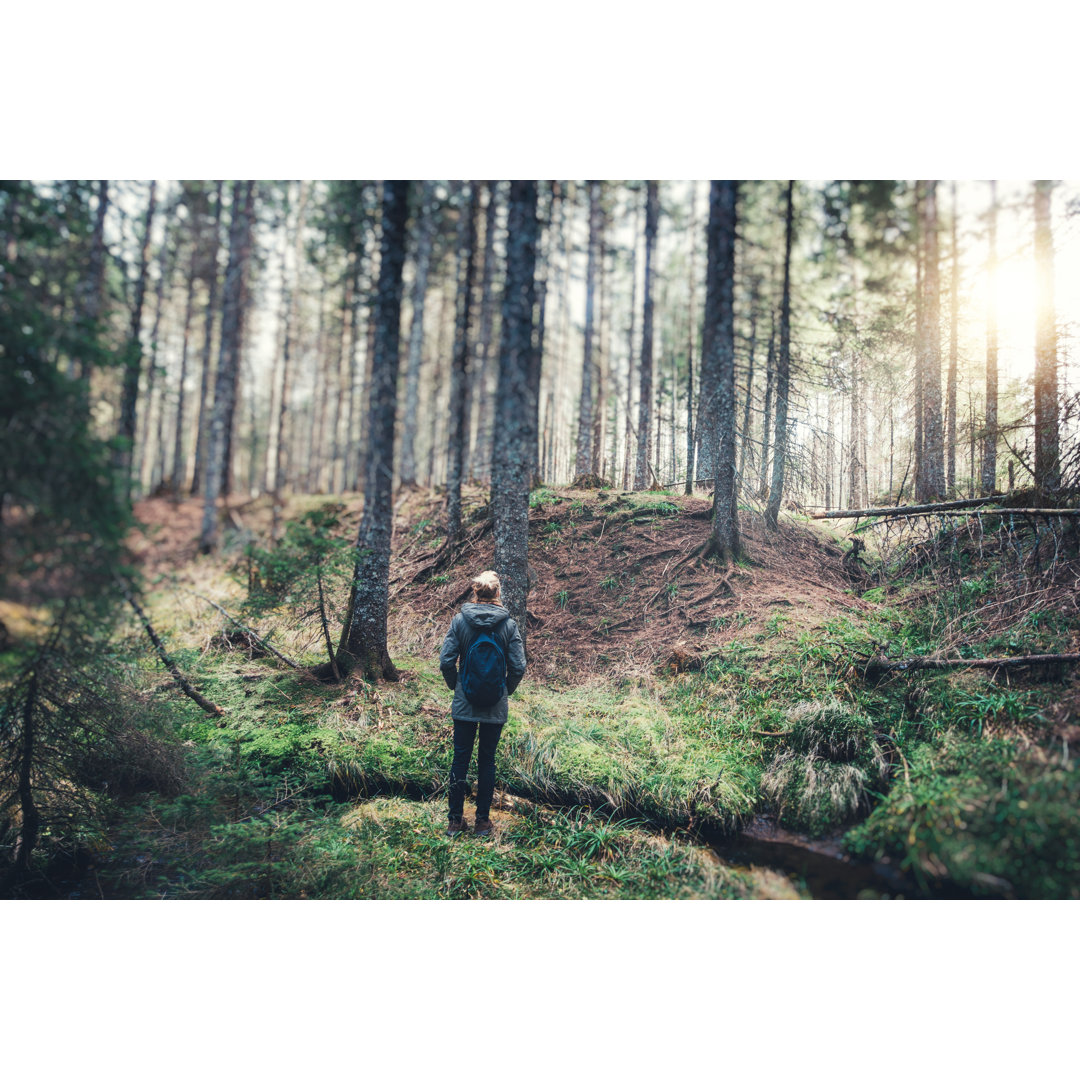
204, 703
901, 511
880, 665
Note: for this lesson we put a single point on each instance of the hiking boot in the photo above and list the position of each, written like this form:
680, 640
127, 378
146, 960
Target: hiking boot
482, 826
457, 825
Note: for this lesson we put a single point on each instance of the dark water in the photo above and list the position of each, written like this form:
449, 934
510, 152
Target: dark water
821, 865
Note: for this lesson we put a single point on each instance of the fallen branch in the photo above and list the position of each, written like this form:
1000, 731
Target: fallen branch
902, 511
919, 663
247, 629
204, 703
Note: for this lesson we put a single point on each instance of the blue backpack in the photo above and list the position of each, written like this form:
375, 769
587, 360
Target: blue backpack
483, 675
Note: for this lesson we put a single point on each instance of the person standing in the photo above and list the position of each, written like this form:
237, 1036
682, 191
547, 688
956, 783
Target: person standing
483, 661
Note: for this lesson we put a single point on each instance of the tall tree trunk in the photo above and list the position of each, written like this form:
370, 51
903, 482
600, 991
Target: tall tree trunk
484, 403
920, 331
290, 307
652, 215
749, 386
208, 338
1047, 451
466, 261
854, 439
363, 635
720, 311
988, 479
954, 354
133, 357
93, 291
932, 473
424, 240
630, 346
691, 333
511, 456
344, 378
221, 419
582, 466
179, 462
600, 398
766, 418
783, 372
151, 425
537, 361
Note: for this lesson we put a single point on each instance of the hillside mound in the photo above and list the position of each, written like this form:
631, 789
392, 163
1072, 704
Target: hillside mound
615, 585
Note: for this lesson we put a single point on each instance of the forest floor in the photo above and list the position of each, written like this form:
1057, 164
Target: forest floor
672, 710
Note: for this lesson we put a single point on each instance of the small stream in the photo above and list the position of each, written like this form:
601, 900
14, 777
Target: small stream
821, 865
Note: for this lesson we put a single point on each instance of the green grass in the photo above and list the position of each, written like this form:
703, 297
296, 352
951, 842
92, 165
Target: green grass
928, 769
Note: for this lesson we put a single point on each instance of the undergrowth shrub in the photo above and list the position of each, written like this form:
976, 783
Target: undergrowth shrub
825, 773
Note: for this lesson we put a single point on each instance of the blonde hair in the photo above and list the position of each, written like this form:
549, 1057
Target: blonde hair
486, 587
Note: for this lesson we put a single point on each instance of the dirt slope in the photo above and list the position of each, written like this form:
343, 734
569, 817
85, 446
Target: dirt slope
615, 586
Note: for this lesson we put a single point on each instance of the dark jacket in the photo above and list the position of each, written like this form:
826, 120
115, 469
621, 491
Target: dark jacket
495, 619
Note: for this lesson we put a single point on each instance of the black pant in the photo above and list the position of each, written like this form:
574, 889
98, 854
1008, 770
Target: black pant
464, 736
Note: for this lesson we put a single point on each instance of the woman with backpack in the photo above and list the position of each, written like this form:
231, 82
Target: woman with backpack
482, 661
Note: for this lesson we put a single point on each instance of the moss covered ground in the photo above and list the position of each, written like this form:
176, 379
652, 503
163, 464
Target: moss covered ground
608, 780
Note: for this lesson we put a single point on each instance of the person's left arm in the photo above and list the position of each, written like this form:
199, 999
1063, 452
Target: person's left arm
515, 659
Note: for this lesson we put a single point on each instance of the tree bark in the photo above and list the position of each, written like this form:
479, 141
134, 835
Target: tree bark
483, 401
783, 372
511, 456
466, 261
207, 352
720, 311
749, 386
228, 360
1047, 451
583, 462
767, 411
536, 363
954, 353
363, 636
179, 462
988, 479
290, 306
425, 237
652, 214
630, 346
931, 475
691, 334
133, 357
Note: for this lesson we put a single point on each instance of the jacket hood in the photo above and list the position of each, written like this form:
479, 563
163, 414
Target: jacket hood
484, 615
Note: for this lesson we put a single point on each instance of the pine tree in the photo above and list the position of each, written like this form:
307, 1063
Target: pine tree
644, 433
221, 419
459, 374
133, 357
424, 240
988, 480
720, 313
511, 453
363, 635
783, 372
1047, 451
931, 475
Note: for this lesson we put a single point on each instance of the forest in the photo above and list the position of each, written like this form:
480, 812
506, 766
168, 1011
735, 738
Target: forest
781, 479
